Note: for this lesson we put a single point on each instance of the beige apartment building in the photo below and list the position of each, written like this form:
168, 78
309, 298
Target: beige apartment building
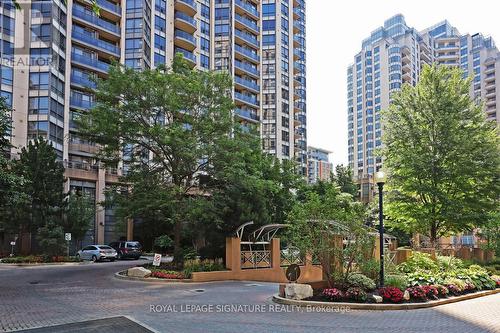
319, 167
64, 46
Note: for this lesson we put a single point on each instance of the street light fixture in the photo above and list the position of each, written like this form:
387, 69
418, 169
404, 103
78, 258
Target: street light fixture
380, 179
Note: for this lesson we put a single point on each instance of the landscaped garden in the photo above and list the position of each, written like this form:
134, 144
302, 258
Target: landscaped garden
38, 259
420, 279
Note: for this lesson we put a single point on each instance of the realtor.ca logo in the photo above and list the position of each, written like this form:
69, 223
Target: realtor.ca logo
28, 44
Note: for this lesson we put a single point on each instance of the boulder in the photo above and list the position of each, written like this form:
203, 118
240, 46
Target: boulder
406, 295
140, 272
377, 298
298, 291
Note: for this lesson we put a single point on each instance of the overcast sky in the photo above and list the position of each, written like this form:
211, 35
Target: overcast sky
335, 30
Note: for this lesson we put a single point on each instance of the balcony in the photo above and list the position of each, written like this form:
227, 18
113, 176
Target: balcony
252, 100
96, 43
84, 82
246, 84
95, 21
80, 104
185, 22
247, 38
90, 62
110, 7
187, 55
251, 55
246, 23
185, 40
186, 6
247, 8
247, 115
248, 69
83, 148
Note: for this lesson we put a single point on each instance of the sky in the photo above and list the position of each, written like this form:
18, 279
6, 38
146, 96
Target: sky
334, 31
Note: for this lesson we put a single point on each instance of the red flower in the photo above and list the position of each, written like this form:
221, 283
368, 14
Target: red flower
333, 294
417, 293
163, 275
391, 294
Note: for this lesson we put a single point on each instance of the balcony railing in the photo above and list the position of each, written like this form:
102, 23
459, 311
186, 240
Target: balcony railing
80, 104
96, 21
81, 166
89, 61
185, 35
247, 52
95, 42
186, 18
245, 98
247, 68
247, 37
188, 55
190, 3
83, 81
247, 83
247, 7
246, 114
247, 22
112, 7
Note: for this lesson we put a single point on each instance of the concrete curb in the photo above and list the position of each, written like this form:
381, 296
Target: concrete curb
370, 306
46, 264
152, 280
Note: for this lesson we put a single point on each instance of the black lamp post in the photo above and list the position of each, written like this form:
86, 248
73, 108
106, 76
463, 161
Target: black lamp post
380, 179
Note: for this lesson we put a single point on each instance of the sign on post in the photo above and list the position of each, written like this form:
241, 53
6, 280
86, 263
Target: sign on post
12, 243
67, 236
157, 259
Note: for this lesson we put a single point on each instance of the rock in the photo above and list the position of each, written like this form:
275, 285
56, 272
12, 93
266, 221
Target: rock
406, 295
138, 272
298, 291
377, 298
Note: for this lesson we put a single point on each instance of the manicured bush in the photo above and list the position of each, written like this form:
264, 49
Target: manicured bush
206, 265
356, 294
418, 261
417, 293
333, 294
391, 294
396, 281
360, 281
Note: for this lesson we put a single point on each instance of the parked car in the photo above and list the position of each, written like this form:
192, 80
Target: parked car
97, 253
127, 249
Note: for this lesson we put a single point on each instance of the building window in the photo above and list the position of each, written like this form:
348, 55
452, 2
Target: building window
39, 80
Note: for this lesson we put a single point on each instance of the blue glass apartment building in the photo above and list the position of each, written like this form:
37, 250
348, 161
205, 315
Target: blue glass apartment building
261, 43
393, 55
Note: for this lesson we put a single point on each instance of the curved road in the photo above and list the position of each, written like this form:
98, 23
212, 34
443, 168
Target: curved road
51, 295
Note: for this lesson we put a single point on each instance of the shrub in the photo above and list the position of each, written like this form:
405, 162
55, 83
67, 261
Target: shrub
442, 290
333, 294
360, 281
396, 281
356, 294
431, 292
469, 287
391, 294
206, 265
421, 278
447, 263
370, 268
418, 261
453, 289
496, 278
417, 293
460, 284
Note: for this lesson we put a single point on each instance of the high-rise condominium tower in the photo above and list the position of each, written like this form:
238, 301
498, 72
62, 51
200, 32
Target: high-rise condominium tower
394, 54
52, 49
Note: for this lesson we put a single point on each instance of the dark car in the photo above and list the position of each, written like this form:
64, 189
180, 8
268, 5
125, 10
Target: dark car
127, 249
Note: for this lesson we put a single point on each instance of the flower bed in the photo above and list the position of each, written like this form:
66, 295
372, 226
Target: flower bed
169, 271
38, 259
420, 279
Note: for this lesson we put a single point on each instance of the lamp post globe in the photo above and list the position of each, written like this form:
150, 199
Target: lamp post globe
380, 179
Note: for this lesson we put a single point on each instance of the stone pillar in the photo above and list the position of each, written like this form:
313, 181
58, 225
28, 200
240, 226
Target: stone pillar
233, 253
275, 253
130, 229
100, 209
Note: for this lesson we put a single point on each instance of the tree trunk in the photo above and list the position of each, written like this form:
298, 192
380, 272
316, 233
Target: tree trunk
177, 242
433, 235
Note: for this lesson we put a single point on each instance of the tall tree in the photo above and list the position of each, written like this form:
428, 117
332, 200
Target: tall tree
43, 187
167, 121
442, 156
79, 215
343, 177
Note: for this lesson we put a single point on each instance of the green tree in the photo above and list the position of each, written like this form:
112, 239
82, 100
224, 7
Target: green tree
343, 177
51, 238
169, 122
442, 156
316, 220
79, 215
43, 187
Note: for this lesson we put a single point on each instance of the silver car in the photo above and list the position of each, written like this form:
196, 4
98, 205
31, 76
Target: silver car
97, 253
